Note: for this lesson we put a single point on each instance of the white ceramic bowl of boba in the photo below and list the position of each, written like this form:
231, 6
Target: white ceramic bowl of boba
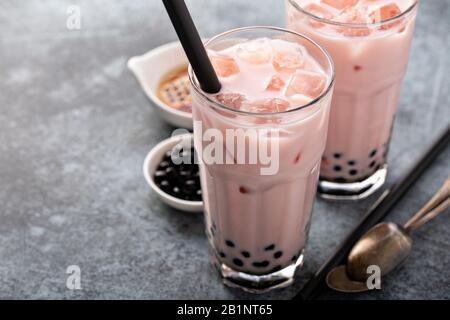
151, 163
150, 68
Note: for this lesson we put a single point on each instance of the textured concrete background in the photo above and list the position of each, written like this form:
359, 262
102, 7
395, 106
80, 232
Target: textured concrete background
75, 128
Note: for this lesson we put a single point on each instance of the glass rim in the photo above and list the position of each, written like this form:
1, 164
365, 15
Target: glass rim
355, 25
208, 96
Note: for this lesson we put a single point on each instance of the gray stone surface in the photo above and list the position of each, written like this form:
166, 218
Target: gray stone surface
75, 128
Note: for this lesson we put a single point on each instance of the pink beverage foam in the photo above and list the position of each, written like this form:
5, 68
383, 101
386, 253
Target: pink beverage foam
257, 223
370, 64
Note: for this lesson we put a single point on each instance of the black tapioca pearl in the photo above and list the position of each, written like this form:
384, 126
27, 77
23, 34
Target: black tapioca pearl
337, 168
261, 264
184, 169
238, 262
191, 194
373, 153
190, 183
164, 184
170, 171
294, 258
164, 164
245, 254
353, 172
160, 173
270, 247
337, 155
222, 254
159, 176
372, 164
184, 173
184, 196
276, 269
188, 198
351, 163
243, 190
229, 243
278, 254
176, 190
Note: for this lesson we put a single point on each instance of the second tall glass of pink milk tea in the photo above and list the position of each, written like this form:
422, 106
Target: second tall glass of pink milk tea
260, 141
369, 41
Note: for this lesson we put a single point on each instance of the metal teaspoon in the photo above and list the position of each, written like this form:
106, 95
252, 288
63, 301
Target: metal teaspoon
385, 245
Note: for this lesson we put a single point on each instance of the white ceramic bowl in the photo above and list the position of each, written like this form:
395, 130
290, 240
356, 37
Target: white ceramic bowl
151, 164
150, 68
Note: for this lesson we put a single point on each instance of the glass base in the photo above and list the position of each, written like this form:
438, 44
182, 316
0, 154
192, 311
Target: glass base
259, 283
353, 191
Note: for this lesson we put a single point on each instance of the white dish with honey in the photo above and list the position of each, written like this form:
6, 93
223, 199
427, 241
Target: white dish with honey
162, 74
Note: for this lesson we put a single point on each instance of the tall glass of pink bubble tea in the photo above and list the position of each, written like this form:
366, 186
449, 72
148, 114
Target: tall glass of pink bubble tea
275, 97
369, 41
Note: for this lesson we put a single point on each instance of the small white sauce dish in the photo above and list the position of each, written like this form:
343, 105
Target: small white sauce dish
150, 68
151, 163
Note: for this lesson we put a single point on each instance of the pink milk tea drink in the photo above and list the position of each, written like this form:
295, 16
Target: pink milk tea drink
275, 97
369, 41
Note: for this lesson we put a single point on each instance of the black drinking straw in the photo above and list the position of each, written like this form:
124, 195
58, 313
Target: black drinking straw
193, 45
379, 210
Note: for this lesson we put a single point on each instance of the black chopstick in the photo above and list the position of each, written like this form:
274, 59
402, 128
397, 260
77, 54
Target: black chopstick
376, 213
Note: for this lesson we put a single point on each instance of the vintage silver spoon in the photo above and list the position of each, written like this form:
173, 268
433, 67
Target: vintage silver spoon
385, 245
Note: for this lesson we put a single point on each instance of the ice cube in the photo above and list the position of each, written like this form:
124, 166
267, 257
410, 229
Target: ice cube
386, 12
318, 11
307, 83
255, 52
231, 100
225, 66
299, 100
340, 4
266, 105
275, 84
354, 16
289, 59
